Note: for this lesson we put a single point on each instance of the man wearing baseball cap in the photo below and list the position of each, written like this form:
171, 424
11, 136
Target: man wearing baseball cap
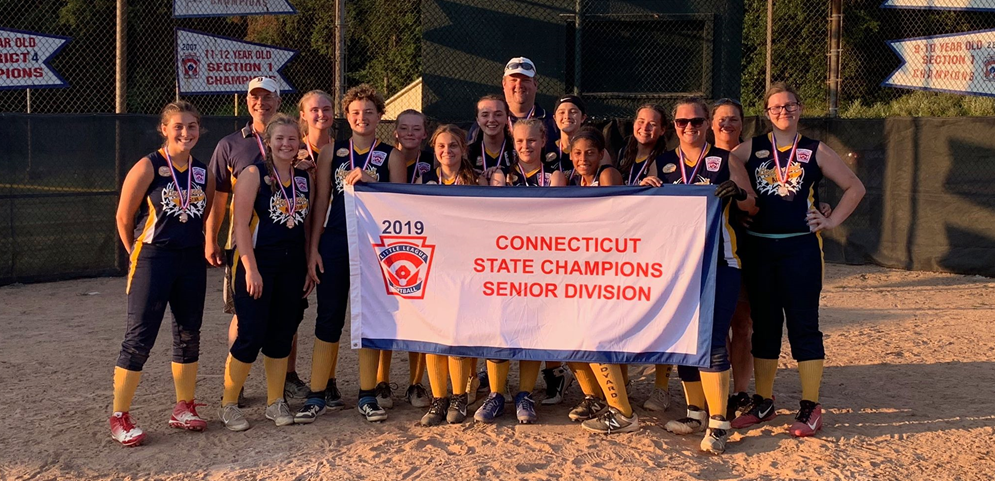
235, 152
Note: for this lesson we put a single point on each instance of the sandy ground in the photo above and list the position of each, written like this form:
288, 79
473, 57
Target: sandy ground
908, 392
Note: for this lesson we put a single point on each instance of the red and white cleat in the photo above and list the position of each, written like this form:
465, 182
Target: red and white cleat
185, 417
809, 420
124, 431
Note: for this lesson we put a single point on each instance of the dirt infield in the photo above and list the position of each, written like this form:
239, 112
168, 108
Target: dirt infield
908, 392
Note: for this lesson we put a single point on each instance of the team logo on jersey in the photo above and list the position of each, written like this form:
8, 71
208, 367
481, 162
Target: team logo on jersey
669, 168
343, 152
199, 175
343, 171
803, 155
763, 154
423, 167
279, 210
767, 182
164, 171
191, 66
713, 163
172, 205
405, 263
301, 183
378, 157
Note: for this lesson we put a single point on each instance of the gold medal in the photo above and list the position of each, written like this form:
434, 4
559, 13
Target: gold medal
184, 218
782, 191
290, 223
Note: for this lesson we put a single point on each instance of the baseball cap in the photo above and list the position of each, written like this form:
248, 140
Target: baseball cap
264, 83
520, 65
571, 99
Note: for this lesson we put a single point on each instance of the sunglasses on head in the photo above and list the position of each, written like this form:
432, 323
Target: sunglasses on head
520, 65
695, 122
727, 100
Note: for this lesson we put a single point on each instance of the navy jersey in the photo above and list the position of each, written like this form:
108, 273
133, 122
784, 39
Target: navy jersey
374, 162
558, 158
783, 209
418, 167
481, 158
272, 223
640, 169
712, 170
536, 178
433, 177
576, 179
159, 218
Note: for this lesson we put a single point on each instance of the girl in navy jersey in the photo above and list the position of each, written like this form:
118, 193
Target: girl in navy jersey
493, 149
527, 170
449, 145
362, 158
696, 162
784, 245
169, 190
587, 148
272, 205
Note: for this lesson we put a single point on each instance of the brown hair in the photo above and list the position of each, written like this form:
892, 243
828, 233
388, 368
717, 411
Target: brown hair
476, 106
413, 112
691, 100
466, 174
279, 120
780, 87
363, 92
727, 101
632, 147
589, 134
300, 108
178, 107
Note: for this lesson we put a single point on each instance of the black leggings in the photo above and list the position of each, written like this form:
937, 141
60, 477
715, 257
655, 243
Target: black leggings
333, 292
160, 276
270, 322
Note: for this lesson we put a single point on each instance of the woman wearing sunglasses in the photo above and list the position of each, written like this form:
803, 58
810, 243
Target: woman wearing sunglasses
785, 244
696, 162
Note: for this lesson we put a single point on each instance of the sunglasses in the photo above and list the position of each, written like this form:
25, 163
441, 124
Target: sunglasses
695, 122
520, 65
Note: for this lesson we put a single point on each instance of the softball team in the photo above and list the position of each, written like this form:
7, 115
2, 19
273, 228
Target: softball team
279, 252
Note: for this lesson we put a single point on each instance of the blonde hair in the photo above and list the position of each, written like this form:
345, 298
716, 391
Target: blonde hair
305, 98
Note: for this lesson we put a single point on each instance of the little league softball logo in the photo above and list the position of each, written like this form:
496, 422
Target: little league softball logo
405, 262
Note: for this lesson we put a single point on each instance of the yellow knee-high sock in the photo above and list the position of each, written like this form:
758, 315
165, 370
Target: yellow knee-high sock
764, 371
416, 361
460, 369
528, 374
811, 374
235, 373
125, 384
553, 364
438, 374
497, 375
369, 359
716, 387
610, 379
276, 376
663, 376
322, 358
694, 394
335, 360
383, 370
185, 380
586, 380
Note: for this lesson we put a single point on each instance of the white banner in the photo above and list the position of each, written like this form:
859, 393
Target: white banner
211, 64
228, 8
962, 63
583, 274
24, 59
980, 5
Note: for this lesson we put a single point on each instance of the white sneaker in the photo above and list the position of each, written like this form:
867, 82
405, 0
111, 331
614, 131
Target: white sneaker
279, 412
232, 418
124, 431
385, 394
658, 401
716, 436
612, 421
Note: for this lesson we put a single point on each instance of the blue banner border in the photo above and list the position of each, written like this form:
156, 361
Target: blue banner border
709, 268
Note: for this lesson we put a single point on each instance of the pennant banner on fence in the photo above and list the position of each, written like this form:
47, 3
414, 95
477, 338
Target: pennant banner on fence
941, 4
962, 63
211, 64
608, 274
24, 58
229, 8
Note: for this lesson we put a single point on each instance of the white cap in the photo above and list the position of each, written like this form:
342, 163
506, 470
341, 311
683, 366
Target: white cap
520, 65
264, 83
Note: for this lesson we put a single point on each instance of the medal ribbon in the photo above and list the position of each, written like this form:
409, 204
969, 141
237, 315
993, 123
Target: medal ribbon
532, 111
633, 181
291, 206
525, 178
415, 173
184, 203
259, 142
310, 153
369, 155
782, 177
483, 151
697, 166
